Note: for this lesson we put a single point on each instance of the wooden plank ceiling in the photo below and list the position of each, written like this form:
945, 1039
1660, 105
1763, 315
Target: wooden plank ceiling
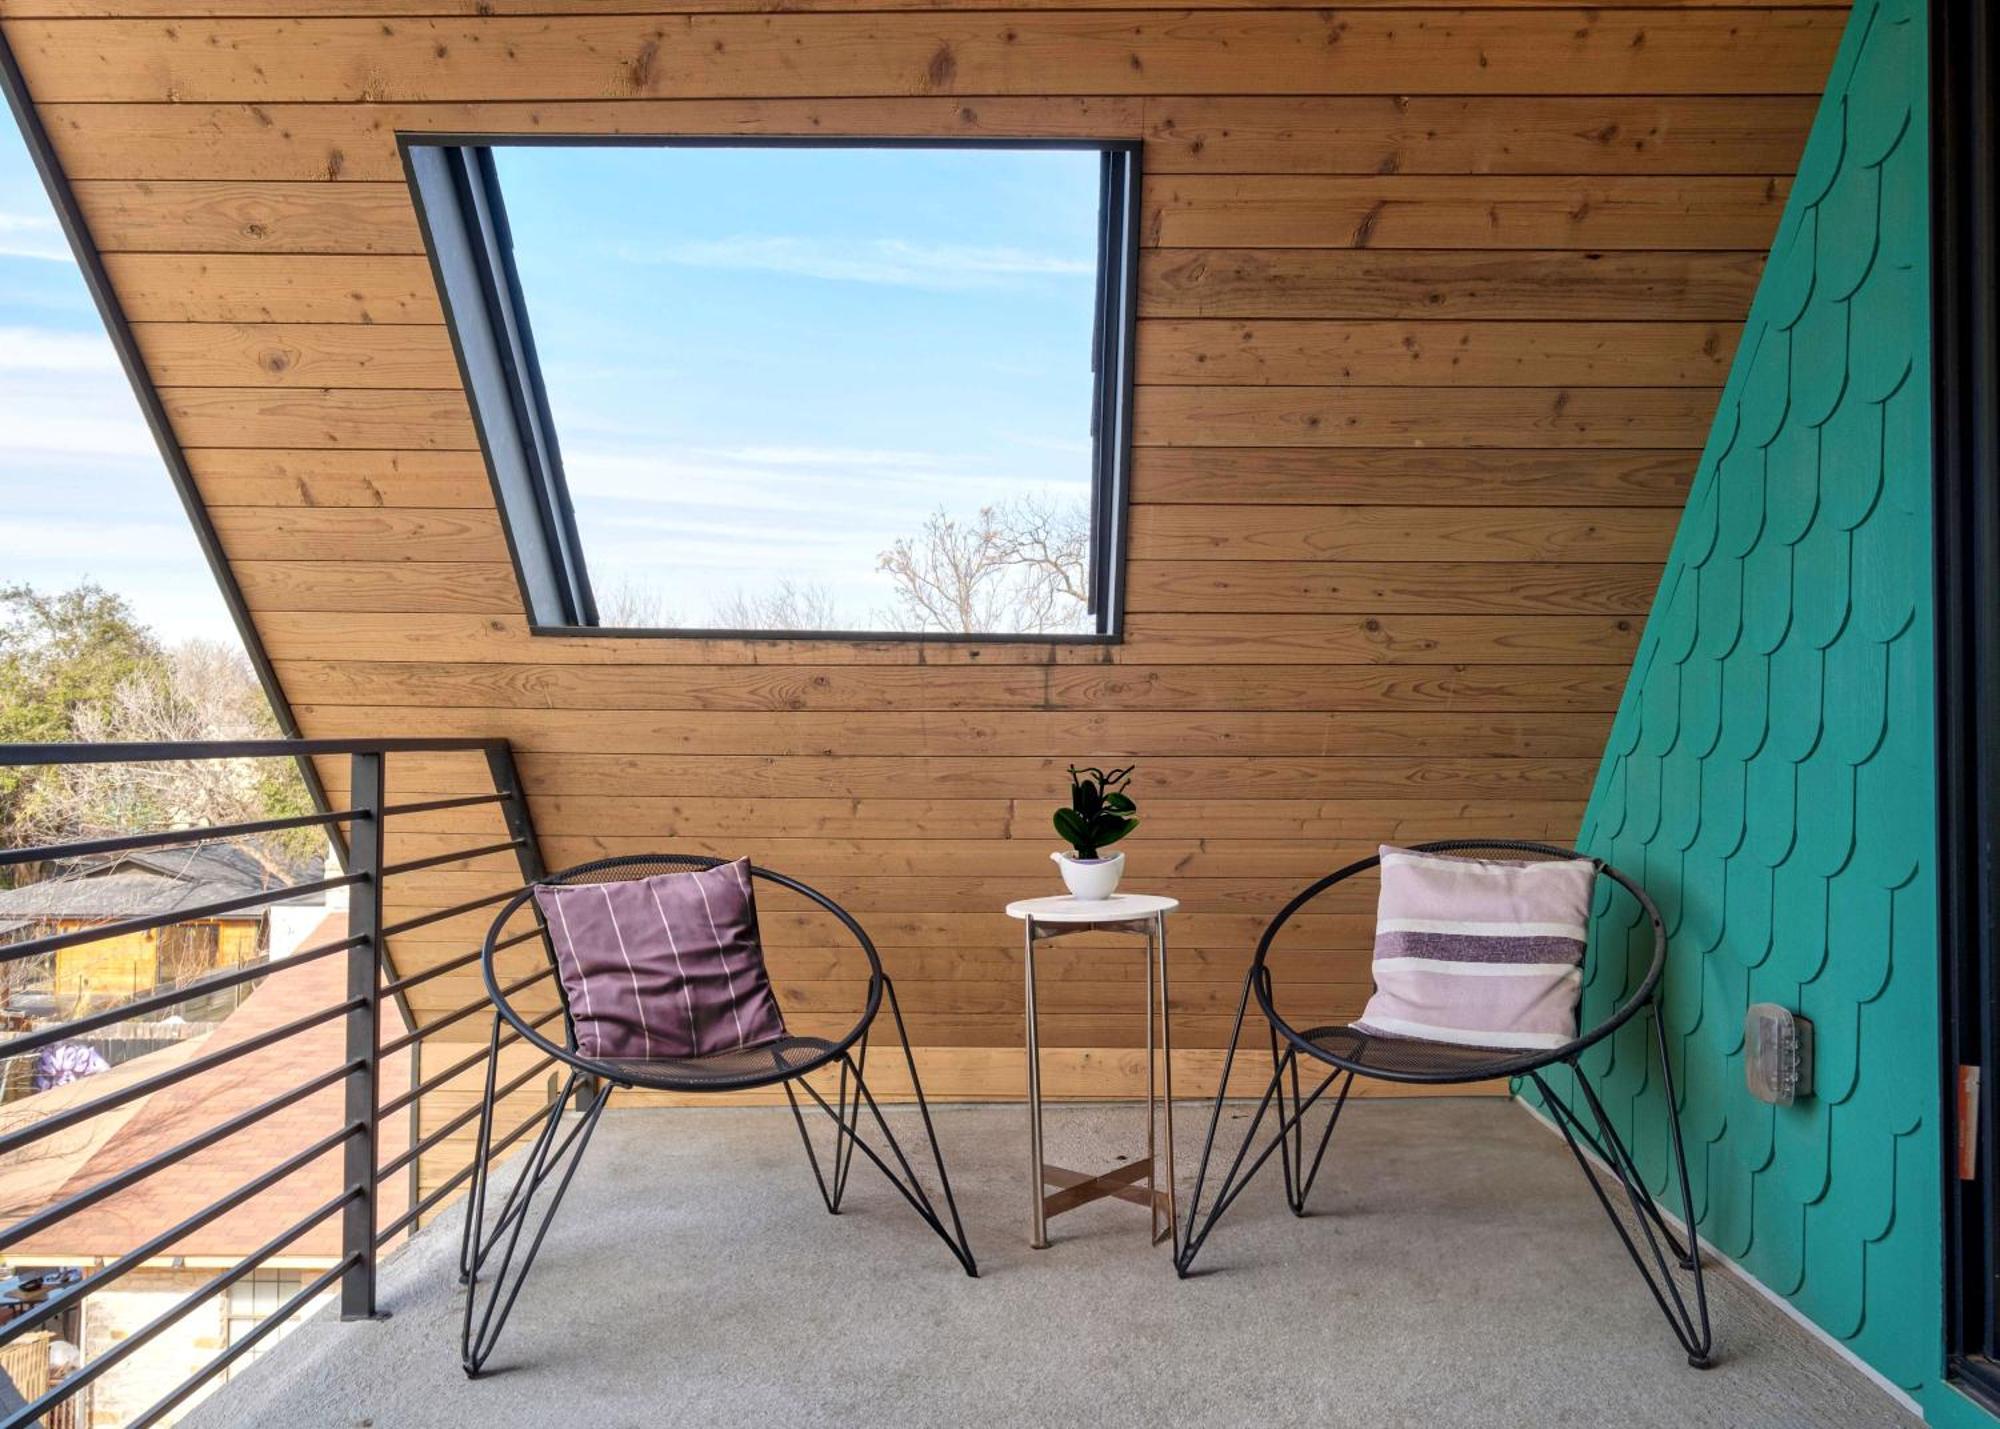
1436, 304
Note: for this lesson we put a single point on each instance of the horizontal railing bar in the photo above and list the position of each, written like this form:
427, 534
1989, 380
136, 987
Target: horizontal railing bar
201, 987
500, 1094
464, 1064
88, 847
404, 984
132, 1259
451, 1019
178, 1311
458, 1177
425, 920
165, 752
62, 1121
414, 864
266, 1326
55, 942
432, 806
222, 1131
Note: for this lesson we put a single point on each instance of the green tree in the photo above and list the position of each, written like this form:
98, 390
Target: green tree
60, 654
78, 666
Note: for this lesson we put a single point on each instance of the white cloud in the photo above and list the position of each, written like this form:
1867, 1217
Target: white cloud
837, 483
1078, 447
37, 349
51, 415
888, 262
40, 538
32, 235
828, 456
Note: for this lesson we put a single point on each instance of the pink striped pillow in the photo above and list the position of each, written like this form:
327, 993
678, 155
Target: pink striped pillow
667, 966
1479, 952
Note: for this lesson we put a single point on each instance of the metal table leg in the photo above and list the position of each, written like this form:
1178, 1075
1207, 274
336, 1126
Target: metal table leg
1167, 1077
1040, 1225
1138, 1181
1152, 1082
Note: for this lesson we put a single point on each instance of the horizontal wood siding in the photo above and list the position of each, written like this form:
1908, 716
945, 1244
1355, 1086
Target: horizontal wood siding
1435, 306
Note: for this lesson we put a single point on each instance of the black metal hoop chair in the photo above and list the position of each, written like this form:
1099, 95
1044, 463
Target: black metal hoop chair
555, 1154
1346, 1053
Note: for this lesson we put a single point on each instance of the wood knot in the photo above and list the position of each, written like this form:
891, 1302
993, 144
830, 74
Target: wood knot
942, 69
639, 72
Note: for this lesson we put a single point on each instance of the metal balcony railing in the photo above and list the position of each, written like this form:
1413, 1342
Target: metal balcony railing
364, 1227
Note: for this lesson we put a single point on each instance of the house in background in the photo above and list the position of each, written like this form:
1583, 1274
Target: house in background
106, 1146
146, 884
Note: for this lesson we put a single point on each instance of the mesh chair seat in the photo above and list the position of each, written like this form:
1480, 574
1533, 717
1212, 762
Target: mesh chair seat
1397, 1057
722, 1071
551, 1159
1338, 1053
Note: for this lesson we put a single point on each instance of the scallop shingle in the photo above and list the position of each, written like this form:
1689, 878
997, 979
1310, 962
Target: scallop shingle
1770, 777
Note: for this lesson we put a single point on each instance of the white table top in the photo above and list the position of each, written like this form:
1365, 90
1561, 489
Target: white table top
1118, 908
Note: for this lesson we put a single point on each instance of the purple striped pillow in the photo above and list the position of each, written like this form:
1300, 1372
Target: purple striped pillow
1480, 952
667, 966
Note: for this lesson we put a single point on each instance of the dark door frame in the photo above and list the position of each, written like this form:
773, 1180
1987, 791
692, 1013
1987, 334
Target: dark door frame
1967, 519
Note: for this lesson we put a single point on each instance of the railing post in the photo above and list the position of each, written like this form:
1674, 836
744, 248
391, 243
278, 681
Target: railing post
514, 809
361, 1215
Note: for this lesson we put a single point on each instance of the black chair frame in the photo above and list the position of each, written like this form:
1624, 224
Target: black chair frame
1344, 1054
552, 1159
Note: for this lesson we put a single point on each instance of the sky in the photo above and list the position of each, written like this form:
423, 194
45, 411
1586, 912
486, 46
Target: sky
764, 364
770, 363
83, 492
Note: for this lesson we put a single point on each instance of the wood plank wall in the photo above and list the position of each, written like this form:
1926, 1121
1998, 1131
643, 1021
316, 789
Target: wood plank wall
1436, 304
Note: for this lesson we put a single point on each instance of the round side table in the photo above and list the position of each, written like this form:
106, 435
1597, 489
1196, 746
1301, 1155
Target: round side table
1142, 915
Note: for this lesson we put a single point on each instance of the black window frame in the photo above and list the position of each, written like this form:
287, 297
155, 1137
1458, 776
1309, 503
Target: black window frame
462, 214
1965, 297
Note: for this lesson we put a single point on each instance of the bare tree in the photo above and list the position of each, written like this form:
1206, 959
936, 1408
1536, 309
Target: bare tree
1048, 545
634, 605
198, 691
790, 605
1015, 568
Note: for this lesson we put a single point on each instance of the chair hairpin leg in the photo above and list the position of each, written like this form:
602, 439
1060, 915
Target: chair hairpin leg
1325, 1139
1661, 1248
961, 1247
476, 1342
907, 1184
543, 1153
1290, 1147
1190, 1243
1289, 1118
846, 1118
845, 1113
850, 1108
1299, 1177
1612, 1151
475, 1193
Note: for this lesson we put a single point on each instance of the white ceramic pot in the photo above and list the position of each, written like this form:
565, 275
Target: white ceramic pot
1091, 879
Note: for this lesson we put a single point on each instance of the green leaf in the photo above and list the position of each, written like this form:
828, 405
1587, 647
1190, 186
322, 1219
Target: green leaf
1120, 803
1112, 836
1071, 828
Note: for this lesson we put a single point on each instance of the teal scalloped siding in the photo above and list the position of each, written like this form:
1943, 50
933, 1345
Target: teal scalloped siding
1769, 775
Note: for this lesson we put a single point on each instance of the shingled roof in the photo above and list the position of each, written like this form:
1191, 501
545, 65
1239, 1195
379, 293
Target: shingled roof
145, 883
174, 1114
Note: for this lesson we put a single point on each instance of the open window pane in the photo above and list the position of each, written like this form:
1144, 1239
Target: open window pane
778, 388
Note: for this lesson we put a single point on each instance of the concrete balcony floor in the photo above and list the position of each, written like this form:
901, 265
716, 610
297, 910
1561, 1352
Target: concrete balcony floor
1454, 1270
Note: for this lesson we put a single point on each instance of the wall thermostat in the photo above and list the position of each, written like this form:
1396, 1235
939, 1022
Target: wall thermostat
1778, 1048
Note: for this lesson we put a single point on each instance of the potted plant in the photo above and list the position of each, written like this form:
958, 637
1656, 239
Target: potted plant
1100, 813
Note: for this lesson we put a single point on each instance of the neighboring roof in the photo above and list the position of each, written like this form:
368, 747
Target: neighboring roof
142, 884
153, 1124
35, 1176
